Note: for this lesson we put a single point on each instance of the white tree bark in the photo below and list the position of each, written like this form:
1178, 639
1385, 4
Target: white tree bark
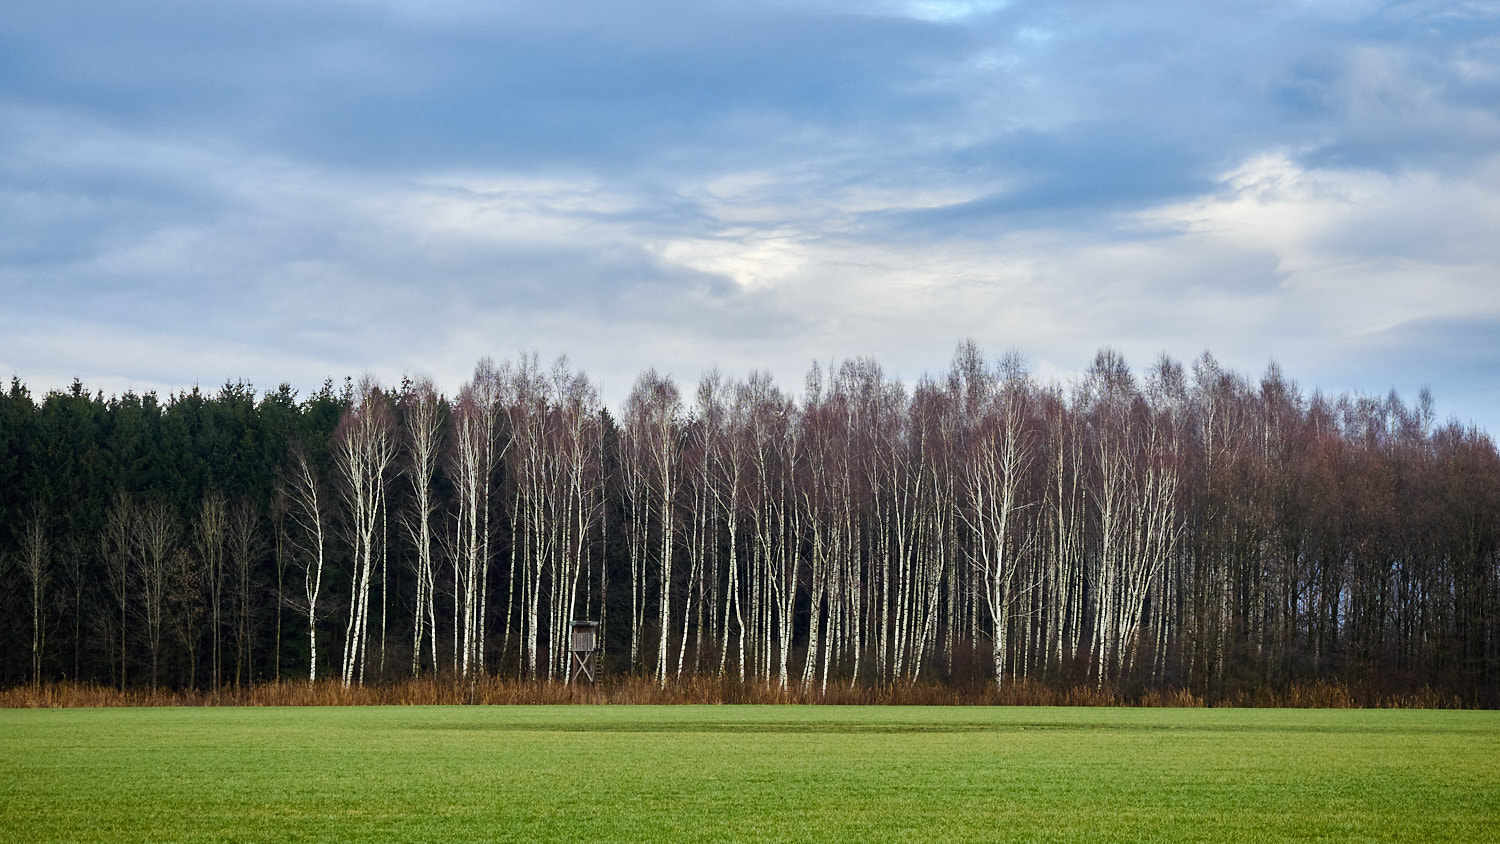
306, 508
424, 439
364, 449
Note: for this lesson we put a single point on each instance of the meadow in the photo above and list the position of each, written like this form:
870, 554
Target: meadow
747, 772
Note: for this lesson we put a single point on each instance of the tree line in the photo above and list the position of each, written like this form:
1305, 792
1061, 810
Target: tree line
1178, 527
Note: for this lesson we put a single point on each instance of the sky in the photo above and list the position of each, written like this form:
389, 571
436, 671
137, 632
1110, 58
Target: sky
274, 192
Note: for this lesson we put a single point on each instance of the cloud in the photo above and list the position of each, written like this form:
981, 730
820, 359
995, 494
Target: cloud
282, 191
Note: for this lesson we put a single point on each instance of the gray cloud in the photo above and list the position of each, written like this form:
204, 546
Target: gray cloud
287, 191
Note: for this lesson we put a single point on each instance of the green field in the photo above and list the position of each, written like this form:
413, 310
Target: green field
726, 772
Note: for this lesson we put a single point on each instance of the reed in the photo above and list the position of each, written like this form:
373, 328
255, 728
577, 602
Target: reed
430, 691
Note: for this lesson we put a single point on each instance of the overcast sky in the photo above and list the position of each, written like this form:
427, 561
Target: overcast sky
192, 192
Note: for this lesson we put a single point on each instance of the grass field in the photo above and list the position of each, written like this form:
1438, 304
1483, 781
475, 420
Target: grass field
728, 772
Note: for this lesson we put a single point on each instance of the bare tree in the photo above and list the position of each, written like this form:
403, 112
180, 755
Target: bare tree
773, 449
281, 557
364, 449
423, 411
473, 456
307, 507
77, 575
1193, 527
553, 418
637, 494
536, 518
209, 537
995, 476
185, 585
721, 480
653, 417
117, 546
579, 475
156, 539
36, 565
243, 543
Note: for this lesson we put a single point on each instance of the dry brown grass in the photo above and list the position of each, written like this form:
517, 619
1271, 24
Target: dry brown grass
623, 690
1179, 698
701, 690
1325, 694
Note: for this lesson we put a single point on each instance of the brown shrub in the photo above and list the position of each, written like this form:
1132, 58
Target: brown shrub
443, 691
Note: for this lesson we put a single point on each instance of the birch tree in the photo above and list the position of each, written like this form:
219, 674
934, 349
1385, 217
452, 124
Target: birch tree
475, 451
998, 463
424, 412
653, 416
575, 436
364, 449
281, 555
722, 409
307, 508
1197, 528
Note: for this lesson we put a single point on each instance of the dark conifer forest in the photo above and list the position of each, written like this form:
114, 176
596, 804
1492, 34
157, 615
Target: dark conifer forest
1169, 527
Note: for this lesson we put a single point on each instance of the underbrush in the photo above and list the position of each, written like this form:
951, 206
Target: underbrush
707, 690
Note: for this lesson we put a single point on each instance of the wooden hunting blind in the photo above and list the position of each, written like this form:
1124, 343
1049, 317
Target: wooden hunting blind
585, 643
